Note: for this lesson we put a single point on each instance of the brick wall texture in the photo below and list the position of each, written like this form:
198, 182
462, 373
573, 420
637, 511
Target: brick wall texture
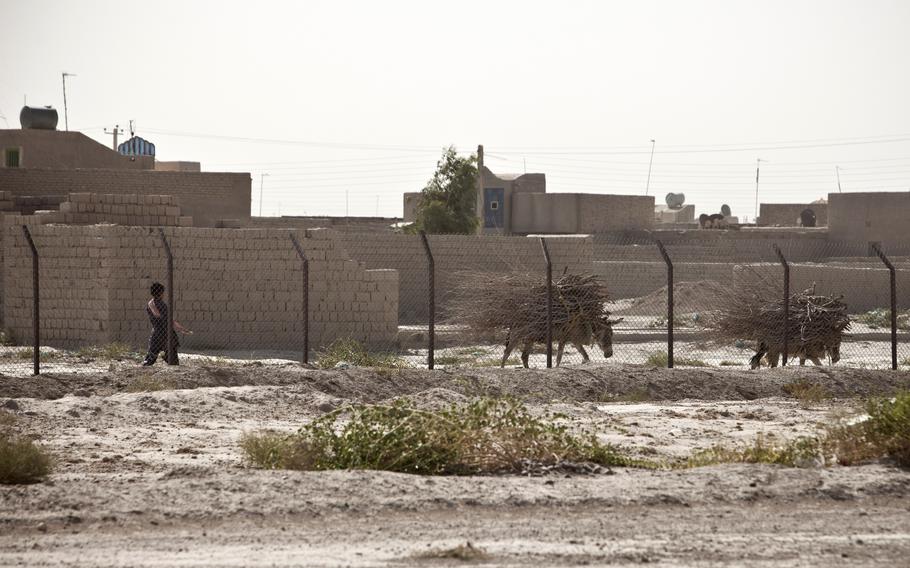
459, 253
235, 288
205, 196
129, 210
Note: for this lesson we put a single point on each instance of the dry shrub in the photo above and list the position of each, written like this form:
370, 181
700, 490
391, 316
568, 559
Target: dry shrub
486, 436
112, 351
151, 384
807, 393
466, 552
661, 359
352, 352
21, 459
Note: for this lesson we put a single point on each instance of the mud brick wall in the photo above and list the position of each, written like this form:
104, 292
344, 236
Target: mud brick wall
205, 196
864, 287
74, 291
459, 253
706, 246
237, 289
787, 214
630, 279
135, 210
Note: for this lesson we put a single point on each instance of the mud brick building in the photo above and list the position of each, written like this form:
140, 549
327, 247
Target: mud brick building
48, 165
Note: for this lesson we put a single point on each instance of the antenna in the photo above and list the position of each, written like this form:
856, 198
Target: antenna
132, 128
66, 118
837, 171
650, 162
757, 166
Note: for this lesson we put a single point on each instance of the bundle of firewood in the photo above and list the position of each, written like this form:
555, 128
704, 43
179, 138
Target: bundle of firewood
756, 311
490, 303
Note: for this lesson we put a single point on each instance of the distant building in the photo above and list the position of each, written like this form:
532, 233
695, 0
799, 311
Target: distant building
518, 204
40, 167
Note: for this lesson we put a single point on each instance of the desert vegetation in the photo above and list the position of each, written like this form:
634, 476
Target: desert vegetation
488, 435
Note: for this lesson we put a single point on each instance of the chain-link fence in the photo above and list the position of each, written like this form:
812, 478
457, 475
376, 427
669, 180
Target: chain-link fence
685, 299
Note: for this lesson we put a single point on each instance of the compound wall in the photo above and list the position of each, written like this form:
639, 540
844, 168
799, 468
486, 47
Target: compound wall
870, 217
787, 214
237, 289
864, 288
454, 254
625, 279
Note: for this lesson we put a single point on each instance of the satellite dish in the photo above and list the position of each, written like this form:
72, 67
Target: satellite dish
725, 210
675, 200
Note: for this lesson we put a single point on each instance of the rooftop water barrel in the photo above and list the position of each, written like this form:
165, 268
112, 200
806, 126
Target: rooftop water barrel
38, 118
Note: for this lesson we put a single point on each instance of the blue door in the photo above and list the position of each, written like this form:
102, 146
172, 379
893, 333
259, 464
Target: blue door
493, 207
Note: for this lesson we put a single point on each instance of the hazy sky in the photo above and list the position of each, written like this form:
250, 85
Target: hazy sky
347, 104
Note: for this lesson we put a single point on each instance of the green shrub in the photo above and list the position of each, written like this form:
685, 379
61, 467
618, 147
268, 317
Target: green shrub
21, 459
637, 395
884, 434
352, 352
761, 451
486, 436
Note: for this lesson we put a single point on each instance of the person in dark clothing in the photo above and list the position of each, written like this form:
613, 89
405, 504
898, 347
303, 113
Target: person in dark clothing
157, 312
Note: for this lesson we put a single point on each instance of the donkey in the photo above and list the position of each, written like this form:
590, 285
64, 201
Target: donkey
812, 350
578, 333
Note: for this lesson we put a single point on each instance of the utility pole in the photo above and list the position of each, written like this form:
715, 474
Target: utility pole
648, 185
757, 166
261, 184
66, 118
479, 199
115, 132
837, 171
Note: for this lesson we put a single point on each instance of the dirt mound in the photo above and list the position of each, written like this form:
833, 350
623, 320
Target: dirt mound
688, 296
588, 383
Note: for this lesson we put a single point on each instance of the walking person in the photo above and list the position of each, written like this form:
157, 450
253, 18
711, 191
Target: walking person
157, 312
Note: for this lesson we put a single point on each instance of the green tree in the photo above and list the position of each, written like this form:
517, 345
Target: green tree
447, 203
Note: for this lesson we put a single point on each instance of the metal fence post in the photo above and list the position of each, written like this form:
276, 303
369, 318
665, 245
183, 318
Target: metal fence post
546, 256
306, 298
431, 284
36, 313
170, 352
893, 275
786, 265
663, 253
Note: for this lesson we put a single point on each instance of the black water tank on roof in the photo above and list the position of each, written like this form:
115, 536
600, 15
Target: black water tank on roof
38, 118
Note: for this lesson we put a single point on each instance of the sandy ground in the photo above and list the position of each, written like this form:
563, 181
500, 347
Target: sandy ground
156, 478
